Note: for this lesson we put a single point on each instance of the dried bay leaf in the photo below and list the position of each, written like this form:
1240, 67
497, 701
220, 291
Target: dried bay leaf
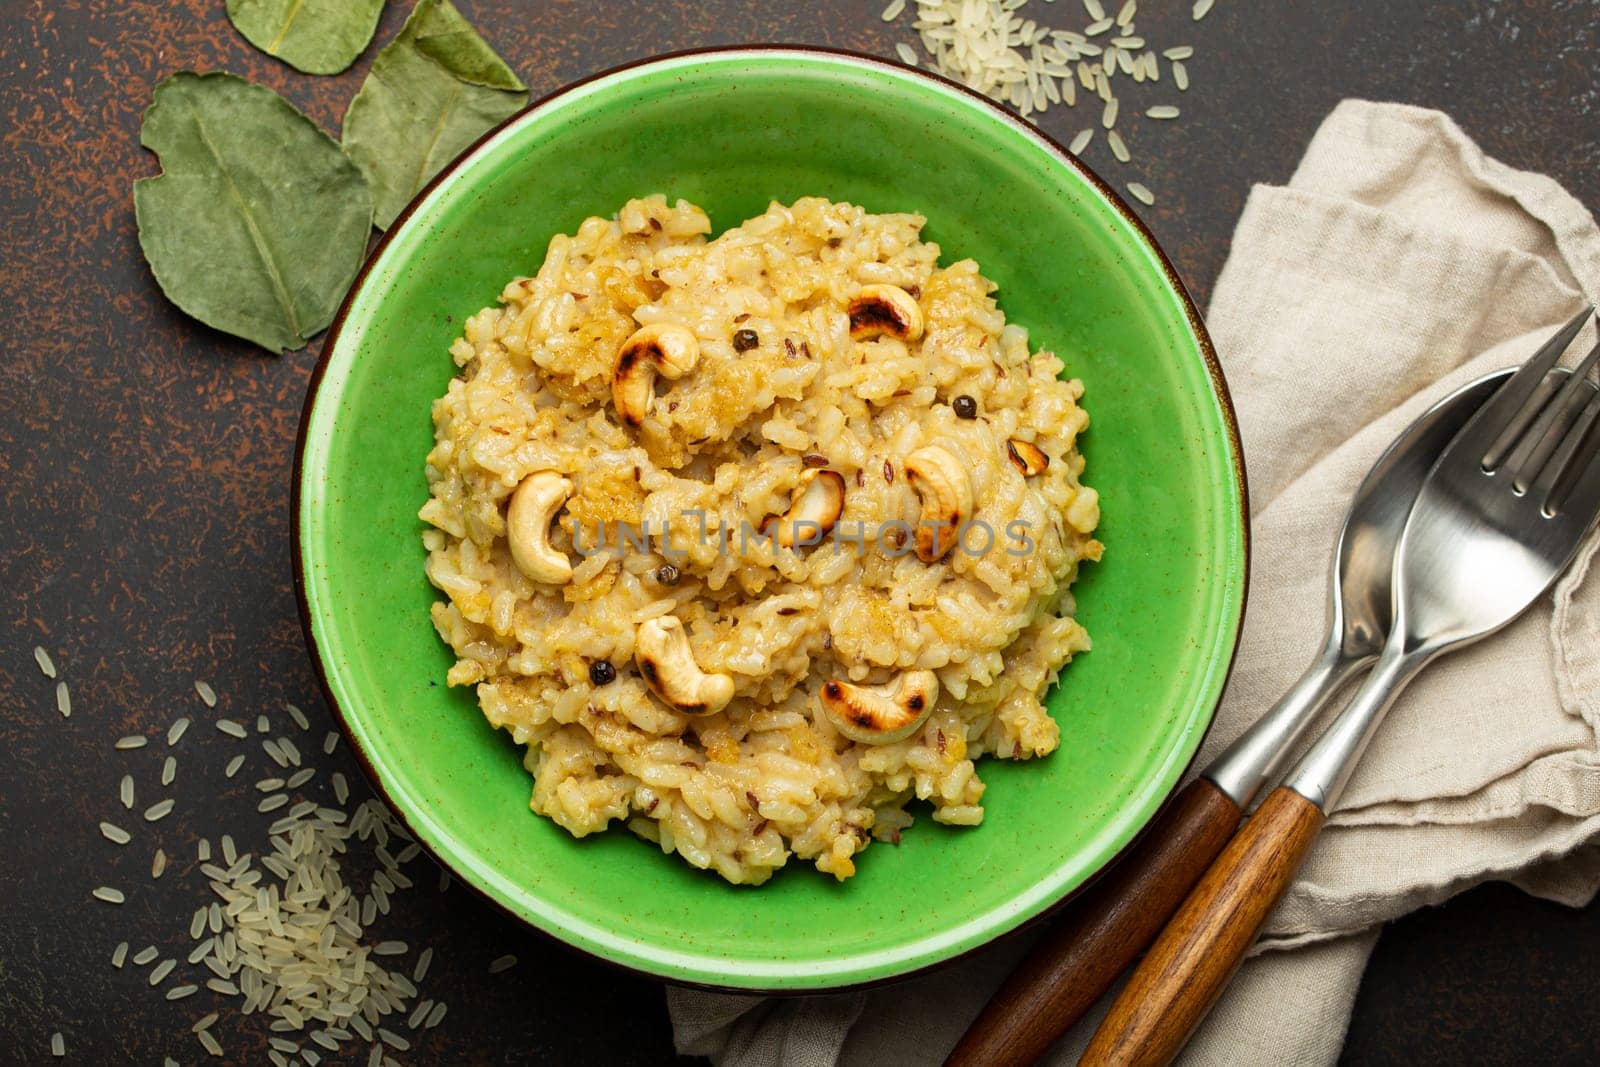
258, 222
432, 91
314, 36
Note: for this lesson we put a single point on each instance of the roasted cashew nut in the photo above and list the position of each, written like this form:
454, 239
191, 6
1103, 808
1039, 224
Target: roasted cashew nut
533, 506
941, 480
885, 309
664, 658
813, 510
1028, 457
882, 714
665, 349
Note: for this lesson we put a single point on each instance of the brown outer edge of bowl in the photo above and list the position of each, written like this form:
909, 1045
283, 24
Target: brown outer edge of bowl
1219, 387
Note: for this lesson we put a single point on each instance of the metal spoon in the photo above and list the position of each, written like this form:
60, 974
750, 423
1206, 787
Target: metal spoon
1498, 519
1103, 931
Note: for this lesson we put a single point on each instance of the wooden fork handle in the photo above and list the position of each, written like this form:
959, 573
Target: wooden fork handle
1100, 933
1175, 985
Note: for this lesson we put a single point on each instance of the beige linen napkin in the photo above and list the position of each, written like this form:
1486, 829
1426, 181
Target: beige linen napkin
1399, 263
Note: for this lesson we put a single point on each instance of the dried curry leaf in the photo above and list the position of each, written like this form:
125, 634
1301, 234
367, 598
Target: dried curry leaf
314, 36
258, 222
432, 91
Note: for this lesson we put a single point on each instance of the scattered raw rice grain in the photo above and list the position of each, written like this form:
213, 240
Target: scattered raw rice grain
322, 1038
114, 833
131, 741
273, 803
1180, 77
420, 971
415, 1020
58, 1044
270, 747
209, 1043
145, 955
158, 864
159, 810
108, 894
1118, 147
205, 1023
375, 1057
263, 724
436, 1016
341, 788
270, 785
301, 777
1098, 27
1201, 7
46, 664
214, 917
276, 1058
298, 716
207, 694
161, 970
168, 1061
179, 992
289, 750
197, 924
1183, 51
233, 766
119, 954
393, 1040
389, 948
169, 770
1108, 118
503, 963
63, 700
892, 12
226, 988
230, 854
125, 791
1141, 194
231, 728
203, 850
1094, 9
1081, 141
176, 731
1162, 111
903, 50
330, 742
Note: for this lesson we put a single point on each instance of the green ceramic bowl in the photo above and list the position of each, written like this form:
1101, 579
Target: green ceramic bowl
732, 130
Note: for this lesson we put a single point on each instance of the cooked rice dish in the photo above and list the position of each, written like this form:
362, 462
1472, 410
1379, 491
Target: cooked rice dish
752, 541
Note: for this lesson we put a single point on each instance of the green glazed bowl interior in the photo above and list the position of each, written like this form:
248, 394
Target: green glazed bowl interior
732, 130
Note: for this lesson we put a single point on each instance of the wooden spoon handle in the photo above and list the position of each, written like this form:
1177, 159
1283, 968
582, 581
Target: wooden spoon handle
1100, 933
1175, 985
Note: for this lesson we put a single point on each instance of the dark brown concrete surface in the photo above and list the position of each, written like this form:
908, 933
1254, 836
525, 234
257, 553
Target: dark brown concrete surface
146, 464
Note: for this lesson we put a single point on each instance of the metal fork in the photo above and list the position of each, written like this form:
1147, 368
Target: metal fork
1500, 516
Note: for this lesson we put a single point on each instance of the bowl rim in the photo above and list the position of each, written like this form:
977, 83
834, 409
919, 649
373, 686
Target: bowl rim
1196, 323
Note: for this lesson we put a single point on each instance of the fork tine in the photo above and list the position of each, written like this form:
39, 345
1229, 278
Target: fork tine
1571, 480
1508, 413
1551, 425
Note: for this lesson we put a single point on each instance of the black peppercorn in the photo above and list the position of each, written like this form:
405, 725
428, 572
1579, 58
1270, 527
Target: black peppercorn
965, 406
745, 340
602, 672
667, 574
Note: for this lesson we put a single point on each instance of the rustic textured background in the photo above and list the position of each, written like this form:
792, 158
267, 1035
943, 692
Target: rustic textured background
146, 470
